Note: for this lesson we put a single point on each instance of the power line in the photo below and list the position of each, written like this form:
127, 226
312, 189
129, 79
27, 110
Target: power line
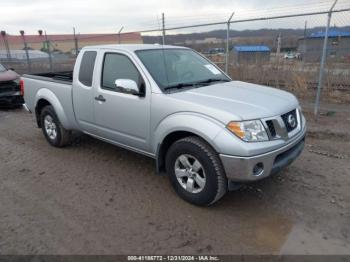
309, 5
265, 18
249, 14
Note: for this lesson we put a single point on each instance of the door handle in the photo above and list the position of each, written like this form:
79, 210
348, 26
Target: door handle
100, 98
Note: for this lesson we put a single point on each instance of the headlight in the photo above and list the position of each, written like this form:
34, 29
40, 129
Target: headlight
249, 131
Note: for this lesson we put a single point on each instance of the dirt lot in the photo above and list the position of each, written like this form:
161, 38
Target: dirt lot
95, 198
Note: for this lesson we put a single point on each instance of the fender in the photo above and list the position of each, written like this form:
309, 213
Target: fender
201, 125
49, 96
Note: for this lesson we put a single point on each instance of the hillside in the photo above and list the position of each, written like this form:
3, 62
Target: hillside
264, 33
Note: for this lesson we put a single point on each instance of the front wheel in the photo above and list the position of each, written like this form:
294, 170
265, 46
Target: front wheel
195, 171
53, 131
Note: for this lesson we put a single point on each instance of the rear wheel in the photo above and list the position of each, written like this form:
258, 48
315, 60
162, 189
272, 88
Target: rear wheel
195, 171
53, 131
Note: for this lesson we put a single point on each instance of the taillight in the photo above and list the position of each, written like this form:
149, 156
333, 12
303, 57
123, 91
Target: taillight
21, 87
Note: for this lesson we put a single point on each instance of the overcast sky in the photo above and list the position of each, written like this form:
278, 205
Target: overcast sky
107, 16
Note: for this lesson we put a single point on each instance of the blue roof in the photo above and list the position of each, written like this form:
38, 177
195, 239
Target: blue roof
331, 33
251, 48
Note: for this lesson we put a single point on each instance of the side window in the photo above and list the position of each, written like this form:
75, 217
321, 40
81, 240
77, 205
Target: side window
118, 66
87, 65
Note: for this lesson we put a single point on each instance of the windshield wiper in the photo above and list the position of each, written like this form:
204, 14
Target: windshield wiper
178, 86
211, 80
195, 84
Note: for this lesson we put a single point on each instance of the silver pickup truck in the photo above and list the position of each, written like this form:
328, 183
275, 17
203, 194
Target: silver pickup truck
206, 131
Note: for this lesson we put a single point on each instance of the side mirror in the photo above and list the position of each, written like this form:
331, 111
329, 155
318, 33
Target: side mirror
128, 86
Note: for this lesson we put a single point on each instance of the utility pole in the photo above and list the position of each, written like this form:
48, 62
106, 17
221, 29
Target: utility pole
227, 60
26, 51
8, 53
305, 27
323, 60
163, 29
120, 30
75, 42
49, 51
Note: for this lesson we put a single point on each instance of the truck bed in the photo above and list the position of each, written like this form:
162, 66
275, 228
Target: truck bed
56, 88
65, 76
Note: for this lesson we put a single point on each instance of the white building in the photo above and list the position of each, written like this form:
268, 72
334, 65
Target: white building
21, 54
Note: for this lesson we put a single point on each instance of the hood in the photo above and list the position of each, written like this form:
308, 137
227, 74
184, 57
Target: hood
238, 100
8, 75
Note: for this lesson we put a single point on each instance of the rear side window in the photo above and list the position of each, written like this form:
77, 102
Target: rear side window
87, 67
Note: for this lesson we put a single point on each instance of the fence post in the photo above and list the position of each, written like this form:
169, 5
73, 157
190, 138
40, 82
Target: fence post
26, 51
163, 29
120, 30
323, 60
8, 55
75, 42
227, 57
49, 51
278, 59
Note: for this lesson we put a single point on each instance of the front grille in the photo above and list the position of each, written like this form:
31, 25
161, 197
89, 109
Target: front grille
8, 86
290, 120
271, 128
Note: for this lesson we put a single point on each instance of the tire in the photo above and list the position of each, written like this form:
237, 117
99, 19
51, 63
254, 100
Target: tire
59, 136
209, 170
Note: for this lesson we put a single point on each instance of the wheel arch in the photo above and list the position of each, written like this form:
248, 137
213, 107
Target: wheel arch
39, 107
183, 125
46, 97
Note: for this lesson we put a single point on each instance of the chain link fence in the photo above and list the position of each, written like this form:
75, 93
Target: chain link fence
283, 51
52, 53
281, 48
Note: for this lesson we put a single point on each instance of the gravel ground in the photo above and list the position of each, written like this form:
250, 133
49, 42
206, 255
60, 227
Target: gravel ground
95, 198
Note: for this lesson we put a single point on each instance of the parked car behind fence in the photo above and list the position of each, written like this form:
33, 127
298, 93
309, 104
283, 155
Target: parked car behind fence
10, 91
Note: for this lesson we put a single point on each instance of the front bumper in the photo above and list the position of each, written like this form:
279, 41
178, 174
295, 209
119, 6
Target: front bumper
245, 169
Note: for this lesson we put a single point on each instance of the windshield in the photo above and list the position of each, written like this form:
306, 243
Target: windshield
179, 68
2, 68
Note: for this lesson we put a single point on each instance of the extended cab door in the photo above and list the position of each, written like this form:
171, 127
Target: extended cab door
119, 116
83, 95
